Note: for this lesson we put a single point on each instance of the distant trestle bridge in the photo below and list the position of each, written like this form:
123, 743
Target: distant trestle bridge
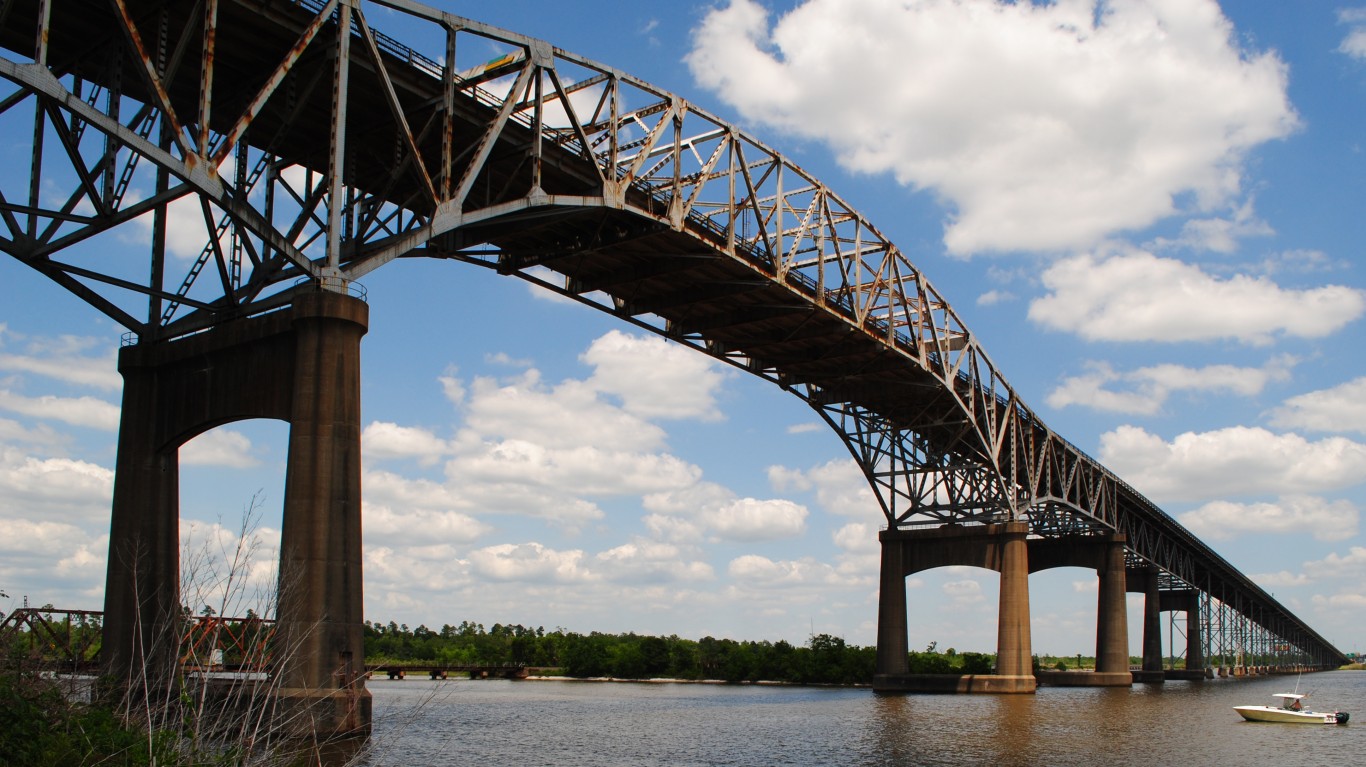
316, 149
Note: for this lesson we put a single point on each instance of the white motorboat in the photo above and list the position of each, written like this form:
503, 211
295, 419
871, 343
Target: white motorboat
1291, 710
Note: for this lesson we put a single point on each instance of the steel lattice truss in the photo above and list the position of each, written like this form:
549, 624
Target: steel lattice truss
308, 150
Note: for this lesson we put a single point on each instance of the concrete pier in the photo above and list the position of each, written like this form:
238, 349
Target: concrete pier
1000, 547
300, 365
1105, 555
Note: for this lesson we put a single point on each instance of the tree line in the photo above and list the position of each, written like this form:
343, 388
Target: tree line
824, 659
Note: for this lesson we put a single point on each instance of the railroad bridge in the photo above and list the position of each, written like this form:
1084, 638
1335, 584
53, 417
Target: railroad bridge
318, 150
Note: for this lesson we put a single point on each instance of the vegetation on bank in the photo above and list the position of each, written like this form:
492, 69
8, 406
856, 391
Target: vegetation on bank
825, 659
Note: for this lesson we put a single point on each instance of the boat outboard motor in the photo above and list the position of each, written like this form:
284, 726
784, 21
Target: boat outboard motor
1342, 717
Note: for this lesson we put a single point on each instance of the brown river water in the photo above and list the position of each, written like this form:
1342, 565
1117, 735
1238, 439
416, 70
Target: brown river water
488, 723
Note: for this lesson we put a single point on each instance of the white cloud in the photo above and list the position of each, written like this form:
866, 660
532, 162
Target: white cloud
965, 592
382, 440
51, 487
66, 359
1046, 125
1149, 387
529, 562
654, 378
575, 470
705, 508
840, 487
994, 297
90, 412
219, 447
751, 519
1325, 520
756, 571
384, 524
1354, 44
468, 496
24, 536
645, 562
1136, 296
858, 538
1335, 567
1220, 234
1282, 579
567, 415
1344, 603
1230, 463
1339, 409
41, 435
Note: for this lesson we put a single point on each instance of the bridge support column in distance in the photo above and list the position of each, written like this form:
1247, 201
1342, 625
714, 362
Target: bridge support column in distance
1144, 580
1001, 547
1112, 617
1188, 601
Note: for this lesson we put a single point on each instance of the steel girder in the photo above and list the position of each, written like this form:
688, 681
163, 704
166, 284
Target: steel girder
313, 150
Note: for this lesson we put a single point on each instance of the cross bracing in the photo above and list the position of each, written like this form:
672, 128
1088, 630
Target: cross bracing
314, 149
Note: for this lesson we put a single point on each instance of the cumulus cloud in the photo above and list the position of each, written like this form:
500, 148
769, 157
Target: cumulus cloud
839, 486
219, 447
1045, 125
384, 524
30, 486
1229, 463
761, 572
1136, 296
1219, 234
90, 412
382, 440
645, 562
706, 509
1144, 391
752, 519
1341, 408
40, 436
1351, 566
1281, 579
570, 414
1354, 44
529, 562
66, 359
1326, 520
655, 378
964, 592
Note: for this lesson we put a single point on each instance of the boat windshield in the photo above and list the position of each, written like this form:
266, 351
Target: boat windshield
1290, 701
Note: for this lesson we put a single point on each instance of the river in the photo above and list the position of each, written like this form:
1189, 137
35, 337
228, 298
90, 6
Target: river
1191, 724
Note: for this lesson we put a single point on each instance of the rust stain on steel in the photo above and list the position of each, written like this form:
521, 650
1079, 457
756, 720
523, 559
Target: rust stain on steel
154, 81
273, 82
206, 73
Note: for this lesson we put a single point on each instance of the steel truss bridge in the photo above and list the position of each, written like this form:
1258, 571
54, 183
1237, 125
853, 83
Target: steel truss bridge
316, 150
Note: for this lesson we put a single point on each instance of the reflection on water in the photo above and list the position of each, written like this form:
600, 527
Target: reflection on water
674, 725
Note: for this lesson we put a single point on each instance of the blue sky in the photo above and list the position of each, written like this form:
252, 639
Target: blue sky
1148, 212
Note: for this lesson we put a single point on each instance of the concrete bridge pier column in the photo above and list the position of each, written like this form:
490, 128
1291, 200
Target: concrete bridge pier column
320, 627
1112, 617
300, 365
893, 643
142, 584
1001, 547
1014, 655
1195, 641
1152, 623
